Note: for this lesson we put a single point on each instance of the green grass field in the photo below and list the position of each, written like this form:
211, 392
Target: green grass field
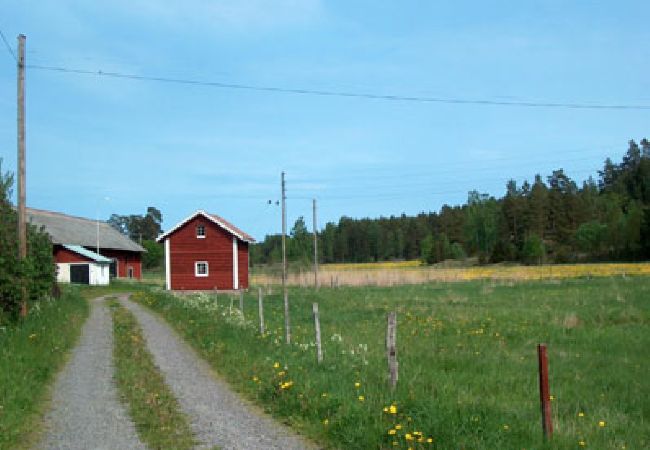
467, 355
31, 353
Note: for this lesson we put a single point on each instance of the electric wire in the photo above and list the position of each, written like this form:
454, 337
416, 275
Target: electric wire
325, 93
9, 49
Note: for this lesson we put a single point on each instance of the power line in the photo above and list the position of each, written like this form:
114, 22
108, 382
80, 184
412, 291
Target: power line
323, 93
9, 49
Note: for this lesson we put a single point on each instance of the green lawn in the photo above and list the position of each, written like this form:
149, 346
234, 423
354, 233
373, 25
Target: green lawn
31, 353
467, 359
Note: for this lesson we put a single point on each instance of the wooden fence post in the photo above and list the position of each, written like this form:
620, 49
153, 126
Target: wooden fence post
241, 302
544, 392
319, 348
391, 348
260, 306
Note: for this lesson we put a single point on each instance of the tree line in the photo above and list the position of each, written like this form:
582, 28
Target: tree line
142, 228
551, 219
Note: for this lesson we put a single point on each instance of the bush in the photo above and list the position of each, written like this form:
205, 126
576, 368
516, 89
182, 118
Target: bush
36, 272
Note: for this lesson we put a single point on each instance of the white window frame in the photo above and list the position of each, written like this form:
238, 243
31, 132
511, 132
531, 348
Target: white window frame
202, 227
196, 269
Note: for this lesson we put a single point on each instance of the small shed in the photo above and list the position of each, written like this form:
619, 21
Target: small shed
206, 252
75, 264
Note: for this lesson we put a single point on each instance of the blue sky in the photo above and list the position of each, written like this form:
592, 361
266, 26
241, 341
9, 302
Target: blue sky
99, 145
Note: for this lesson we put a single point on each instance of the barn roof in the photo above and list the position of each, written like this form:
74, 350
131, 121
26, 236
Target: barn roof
220, 221
79, 250
71, 230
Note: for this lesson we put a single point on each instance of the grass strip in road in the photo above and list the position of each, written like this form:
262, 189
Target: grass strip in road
155, 411
31, 353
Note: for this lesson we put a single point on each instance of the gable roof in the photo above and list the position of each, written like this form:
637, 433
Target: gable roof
79, 250
71, 230
220, 221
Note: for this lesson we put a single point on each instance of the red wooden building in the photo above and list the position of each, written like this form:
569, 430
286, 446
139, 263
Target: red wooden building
76, 241
206, 252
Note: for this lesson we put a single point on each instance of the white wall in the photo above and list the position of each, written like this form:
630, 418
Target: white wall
63, 272
99, 273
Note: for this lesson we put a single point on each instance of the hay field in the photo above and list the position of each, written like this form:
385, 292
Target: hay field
411, 272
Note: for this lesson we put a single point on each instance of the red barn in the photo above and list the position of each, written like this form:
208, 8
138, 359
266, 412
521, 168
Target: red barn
76, 241
206, 252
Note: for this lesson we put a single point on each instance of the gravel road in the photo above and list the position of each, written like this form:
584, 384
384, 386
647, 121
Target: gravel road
86, 413
217, 415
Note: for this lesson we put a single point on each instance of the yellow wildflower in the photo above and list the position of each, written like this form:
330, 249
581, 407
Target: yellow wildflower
429, 440
582, 443
408, 437
357, 385
602, 424
326, 422
393, 409
361, 398
398, 427
385, 409
32, 336
392, 431
276, 365
581, 414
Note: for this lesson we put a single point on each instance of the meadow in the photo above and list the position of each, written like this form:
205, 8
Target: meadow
413, 272
467, 361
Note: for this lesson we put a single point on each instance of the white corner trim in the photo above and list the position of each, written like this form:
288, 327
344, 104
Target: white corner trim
168, 268
235, 264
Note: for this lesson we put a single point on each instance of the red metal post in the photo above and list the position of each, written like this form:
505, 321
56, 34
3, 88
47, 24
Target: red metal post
544, 394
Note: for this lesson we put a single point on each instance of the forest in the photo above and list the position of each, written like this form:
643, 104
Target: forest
551, 220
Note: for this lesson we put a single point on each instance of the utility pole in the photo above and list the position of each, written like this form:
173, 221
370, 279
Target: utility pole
287, 328
315, 249
22, 221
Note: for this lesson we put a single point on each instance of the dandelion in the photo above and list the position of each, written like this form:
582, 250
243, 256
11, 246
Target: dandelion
255, 379
506, 427
429, 440
581, 414
326, 422
361, 398
324, 394
582, 443
392, 431
385, 409
276, 365
398, 427
393, 409
602, 424
408, 436
551, 397
357, 385
281, 373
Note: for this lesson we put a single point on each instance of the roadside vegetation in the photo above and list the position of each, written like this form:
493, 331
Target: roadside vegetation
467, 361
32, 351
153, 408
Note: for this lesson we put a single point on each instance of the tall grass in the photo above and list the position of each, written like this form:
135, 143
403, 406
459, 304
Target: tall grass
410, 272
467, 355
31, 353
